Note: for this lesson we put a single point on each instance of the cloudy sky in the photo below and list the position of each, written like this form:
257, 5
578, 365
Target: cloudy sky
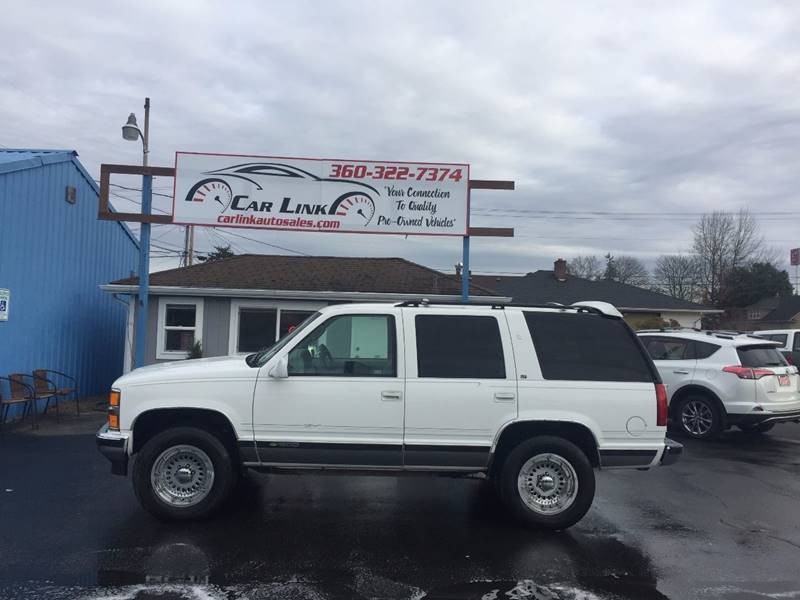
621, 122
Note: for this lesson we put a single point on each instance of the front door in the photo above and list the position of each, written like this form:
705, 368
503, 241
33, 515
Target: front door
342, 403
675, 359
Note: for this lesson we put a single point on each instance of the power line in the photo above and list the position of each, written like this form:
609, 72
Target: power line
135, 189
244, 237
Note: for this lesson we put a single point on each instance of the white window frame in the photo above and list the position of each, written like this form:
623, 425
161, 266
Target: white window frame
278, 306
161, 338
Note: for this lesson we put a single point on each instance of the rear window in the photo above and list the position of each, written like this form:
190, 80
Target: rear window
587, 347
775, 337
760, 356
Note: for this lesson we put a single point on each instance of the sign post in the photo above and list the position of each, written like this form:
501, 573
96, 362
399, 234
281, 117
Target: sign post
304, 194
794, 260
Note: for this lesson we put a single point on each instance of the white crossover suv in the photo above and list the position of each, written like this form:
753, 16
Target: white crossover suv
716, 379
533, 398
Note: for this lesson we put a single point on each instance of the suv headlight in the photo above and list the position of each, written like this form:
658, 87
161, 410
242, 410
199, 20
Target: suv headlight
113, 409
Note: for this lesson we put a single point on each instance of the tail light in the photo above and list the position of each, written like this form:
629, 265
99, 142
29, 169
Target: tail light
113, 410
661, 405
747, 372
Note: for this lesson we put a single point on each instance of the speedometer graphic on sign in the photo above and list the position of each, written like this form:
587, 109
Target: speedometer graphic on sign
211, 190
355, 208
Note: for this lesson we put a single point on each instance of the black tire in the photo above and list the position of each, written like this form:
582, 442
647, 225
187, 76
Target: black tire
566, 451
756, 427
225, 473
699, 417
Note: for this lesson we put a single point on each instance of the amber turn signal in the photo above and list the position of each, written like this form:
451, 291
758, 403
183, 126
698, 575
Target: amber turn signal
113, 398
113, 421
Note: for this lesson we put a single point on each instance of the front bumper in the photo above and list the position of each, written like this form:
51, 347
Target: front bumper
114, 447
672, 452
762, 417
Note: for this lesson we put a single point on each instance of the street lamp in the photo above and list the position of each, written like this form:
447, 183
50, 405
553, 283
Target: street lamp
131, 132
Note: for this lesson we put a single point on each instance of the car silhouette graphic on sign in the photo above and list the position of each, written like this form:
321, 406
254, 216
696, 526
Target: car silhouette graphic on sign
355, 207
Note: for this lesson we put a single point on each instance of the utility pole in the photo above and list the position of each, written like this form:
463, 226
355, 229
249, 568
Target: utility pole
131, 132
188, 247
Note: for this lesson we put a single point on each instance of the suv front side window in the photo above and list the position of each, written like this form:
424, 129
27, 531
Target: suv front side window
668, 348
348, 346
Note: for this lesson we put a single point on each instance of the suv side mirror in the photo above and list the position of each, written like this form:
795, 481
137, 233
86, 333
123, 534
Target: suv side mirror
280, 370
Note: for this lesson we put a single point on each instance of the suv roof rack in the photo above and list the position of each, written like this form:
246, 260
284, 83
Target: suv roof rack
724, 334
669, 329
579, 306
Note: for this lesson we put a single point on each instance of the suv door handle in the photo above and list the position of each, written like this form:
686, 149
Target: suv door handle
504, 397
389, 395
680, 372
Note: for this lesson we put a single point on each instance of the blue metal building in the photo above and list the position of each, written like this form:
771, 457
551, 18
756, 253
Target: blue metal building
54, 255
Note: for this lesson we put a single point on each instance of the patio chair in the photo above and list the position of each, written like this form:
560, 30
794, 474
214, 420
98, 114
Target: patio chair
45, 385
21, 393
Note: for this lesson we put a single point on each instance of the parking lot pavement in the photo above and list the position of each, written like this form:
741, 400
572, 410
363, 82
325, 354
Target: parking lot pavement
722, 523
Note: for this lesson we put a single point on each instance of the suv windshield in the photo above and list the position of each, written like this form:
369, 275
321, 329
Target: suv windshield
760, 356
260, 358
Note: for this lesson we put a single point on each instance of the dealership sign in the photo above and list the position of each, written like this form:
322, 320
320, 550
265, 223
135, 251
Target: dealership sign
301, 194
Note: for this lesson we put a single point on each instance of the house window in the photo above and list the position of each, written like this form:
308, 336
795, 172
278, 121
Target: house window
754, 314
291, 319
180, 325
256, 329
258, 324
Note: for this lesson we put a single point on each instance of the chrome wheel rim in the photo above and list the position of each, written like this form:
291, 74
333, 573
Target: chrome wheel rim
697, 417
547, 484
182, 475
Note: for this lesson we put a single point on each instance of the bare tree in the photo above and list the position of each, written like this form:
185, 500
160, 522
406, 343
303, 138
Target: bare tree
587, 267
631, 270
724, 241
677, 275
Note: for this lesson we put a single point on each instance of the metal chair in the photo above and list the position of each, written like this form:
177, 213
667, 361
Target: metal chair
21, 393
47, 388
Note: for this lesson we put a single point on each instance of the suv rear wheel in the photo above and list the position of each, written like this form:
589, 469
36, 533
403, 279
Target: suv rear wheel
699, 417
547, 482
183, 473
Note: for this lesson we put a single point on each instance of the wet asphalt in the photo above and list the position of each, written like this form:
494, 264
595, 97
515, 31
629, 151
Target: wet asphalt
722, 523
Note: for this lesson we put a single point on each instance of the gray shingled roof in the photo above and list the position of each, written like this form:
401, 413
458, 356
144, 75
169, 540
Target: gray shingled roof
788, 307
542, 287
312, 274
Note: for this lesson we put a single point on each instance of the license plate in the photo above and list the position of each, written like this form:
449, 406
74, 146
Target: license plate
783, 379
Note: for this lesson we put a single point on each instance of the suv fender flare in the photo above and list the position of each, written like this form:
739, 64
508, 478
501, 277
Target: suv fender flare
171, 416
582, 435
683, 391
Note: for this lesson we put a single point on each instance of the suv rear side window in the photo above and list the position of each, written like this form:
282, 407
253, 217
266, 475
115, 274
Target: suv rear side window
459, 347
587, 347
760, 356
704, 349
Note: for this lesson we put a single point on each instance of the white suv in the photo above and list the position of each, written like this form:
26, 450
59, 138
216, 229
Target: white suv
789, 340
531, 397
718, 379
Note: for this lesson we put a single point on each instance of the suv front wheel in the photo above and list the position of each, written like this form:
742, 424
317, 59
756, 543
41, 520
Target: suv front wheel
547, 482
183, 473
